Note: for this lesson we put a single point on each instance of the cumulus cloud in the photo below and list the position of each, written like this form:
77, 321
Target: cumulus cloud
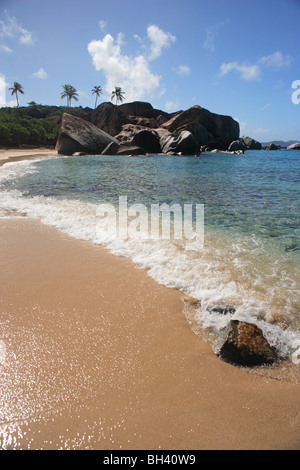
3, 87
277, 60
41, 73
159, 40
131, 73
247, 72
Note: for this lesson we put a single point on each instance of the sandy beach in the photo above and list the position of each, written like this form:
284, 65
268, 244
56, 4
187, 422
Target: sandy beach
14, 155
100, 356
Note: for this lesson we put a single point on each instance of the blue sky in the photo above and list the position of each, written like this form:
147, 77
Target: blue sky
233, 57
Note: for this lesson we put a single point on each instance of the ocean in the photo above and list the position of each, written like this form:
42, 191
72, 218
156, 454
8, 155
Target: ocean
245, 265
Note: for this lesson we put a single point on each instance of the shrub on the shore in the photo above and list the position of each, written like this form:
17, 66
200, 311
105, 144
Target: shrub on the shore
32, 125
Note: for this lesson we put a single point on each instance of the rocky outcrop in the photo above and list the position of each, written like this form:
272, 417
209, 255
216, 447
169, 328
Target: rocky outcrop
142, 109
111, 149
237, 145
246, 346
272, 147
128, 133
252, 144
182, 133
135, 108
205, 126
139, 125
182, 143
210, 146
295, 146
132, 150
148, 140
78, 135
108, 118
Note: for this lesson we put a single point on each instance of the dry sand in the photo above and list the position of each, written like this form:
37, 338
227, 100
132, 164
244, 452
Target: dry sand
100, 356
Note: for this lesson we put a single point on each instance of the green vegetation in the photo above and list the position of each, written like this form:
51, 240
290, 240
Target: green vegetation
35, 125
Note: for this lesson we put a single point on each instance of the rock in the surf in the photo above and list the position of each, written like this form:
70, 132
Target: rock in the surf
295, 146
247, 346
252, 144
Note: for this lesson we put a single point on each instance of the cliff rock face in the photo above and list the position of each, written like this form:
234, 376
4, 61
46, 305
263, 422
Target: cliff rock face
78, 135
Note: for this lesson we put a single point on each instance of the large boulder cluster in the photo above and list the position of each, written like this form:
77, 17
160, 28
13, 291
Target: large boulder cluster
138, 128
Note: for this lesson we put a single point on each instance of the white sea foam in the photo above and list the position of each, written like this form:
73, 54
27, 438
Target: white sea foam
224, 274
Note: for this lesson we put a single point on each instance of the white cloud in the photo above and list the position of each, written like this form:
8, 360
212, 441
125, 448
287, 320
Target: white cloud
5, 48
138, 38
41, 73
10, 29
171, 106
266, 106
131, 73
182, 70
103, 25
247, 72
3, 86
159, 40
277, 60
252, 72
211, 35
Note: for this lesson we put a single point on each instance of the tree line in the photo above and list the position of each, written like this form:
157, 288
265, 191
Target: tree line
70, 93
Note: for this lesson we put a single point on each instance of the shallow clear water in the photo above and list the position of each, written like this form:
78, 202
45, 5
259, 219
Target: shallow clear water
249, 264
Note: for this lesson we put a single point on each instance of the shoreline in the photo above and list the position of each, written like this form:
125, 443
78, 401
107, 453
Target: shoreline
100, 356
16, 155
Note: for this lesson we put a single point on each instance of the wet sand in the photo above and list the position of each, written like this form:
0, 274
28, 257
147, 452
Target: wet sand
99, 356
94, 354
15, 155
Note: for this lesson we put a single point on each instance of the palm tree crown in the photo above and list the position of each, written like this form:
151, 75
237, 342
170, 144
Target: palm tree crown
70, 93
17, 88
97, 90
117, 94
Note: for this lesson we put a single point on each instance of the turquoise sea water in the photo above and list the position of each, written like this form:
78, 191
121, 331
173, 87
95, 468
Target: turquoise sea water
249, 264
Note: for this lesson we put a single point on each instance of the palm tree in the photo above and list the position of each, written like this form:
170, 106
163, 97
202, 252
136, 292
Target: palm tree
118, 94
70, 93
97, 90
65, 93
17, 88
73, 94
